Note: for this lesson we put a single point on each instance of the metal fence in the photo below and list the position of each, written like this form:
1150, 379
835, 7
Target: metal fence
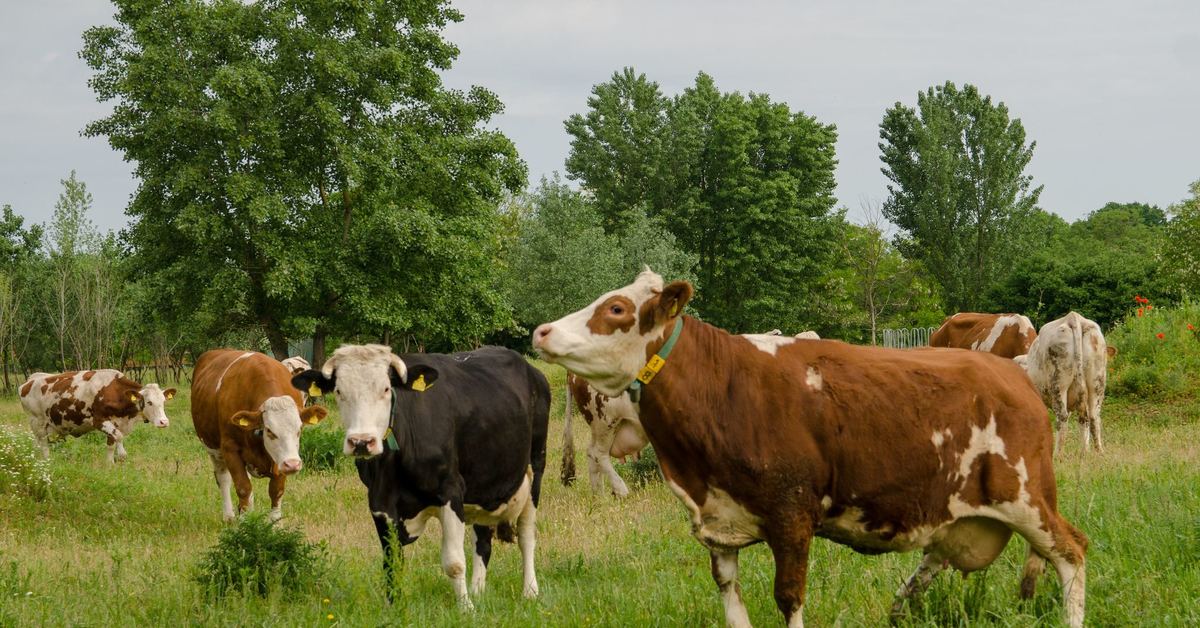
906, 338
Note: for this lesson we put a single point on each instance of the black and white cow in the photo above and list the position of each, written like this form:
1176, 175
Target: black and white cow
459, 437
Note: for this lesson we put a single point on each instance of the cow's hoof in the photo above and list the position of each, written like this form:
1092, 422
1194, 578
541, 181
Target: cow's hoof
465, 605
531, 590
478, 587
275, 515
228, 518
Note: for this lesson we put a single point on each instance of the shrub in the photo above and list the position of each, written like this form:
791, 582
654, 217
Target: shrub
257, 556
22, 470
321, 448
642, 471
1158, 350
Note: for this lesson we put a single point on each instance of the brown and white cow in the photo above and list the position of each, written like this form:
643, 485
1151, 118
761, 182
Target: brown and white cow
1068, 364
296, 364
79, 402
249, 417
615, 429
1005, 335
776, 439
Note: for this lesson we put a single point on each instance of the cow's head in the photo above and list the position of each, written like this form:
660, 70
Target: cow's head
152, 403
606, 341
364, 378
296, 364
278, 422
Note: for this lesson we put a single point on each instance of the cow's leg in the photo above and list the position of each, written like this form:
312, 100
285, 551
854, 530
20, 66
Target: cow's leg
1097, 400
121, 451
725, 574
913, 588
224, 483
599, 461
1034, 566
789, 545
481, 542
454, 560
41, 434
527, 540
241, 483
275, 490
387, 534
114, 436
1064, 546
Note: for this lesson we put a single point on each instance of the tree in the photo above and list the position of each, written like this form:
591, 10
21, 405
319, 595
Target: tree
743, 183
958, 190
18, 251
1182, 250
303, 171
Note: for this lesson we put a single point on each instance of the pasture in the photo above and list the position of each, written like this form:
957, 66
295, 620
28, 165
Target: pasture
117, 545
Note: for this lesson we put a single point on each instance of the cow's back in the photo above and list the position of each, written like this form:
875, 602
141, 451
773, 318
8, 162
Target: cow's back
1005, 335
213, 369
68, 401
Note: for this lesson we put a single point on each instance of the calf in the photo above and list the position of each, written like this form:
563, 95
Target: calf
770, 438
469, 450
249, 417
1005, 335
616, 433
79, 402
1068, 364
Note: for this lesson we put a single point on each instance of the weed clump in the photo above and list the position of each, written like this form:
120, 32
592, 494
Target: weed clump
642, 471
321, 448
256, 557
22, 471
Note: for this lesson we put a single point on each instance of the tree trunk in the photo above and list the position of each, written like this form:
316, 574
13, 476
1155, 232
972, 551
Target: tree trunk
318, 347
279, 345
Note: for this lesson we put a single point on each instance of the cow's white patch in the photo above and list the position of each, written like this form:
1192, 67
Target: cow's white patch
941, 436
454, 559
813, 379
826, 502
1004, 322
768, 344
983, 441
364, 391
281, 429
506, 512
415, 526
797, 618
808, 335
721, 522
850, 528
229, 366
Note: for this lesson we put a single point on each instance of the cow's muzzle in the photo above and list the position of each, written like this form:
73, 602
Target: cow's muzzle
362, 444
289, 467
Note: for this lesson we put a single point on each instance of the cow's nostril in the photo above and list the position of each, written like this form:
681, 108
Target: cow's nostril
541, 332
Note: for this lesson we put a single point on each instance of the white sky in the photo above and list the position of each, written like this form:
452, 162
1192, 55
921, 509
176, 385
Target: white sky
1109, 89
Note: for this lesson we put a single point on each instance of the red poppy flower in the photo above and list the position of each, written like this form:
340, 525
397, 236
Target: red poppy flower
1141, 311
1149, 307
1190, 328
1160, 335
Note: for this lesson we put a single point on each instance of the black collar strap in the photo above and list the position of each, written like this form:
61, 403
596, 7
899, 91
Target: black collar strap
655, 364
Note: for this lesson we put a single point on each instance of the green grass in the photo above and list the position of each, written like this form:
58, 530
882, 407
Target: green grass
117, 546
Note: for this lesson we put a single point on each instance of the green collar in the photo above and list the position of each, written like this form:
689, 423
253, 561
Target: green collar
389, 438
655, 364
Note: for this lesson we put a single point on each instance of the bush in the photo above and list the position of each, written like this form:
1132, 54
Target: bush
1158, 355
321, 448
257, 556
642, 471
22, 470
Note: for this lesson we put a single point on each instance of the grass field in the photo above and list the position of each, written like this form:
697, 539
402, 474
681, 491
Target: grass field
116, 546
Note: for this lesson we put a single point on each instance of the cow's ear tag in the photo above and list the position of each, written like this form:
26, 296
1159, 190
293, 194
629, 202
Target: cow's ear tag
133, 397
314, 390
170, 396
244, 422
675, 309
419, 384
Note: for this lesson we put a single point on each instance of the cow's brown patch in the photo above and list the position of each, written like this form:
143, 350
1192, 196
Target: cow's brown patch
966, 329
992, 480
87, 376
115, 399
616, 313
61, 383
25, 388
67, 410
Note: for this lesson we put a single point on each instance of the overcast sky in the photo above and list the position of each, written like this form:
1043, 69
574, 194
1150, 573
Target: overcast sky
1110, 90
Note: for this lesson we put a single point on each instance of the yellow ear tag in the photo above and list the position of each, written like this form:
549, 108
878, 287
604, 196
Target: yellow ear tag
675, 309
314, 390
170, 396
419, 384
244, 422
133, 398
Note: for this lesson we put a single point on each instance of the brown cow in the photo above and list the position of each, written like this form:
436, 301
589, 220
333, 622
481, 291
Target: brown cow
78, 402
1005, 335
249, 417
770, 438
616, 433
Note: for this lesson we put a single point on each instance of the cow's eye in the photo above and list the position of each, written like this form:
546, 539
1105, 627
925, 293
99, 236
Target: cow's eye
616, 309
271, 435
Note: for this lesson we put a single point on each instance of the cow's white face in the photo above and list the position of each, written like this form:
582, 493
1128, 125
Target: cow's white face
154, 404
280, 422
363, 377
606, 342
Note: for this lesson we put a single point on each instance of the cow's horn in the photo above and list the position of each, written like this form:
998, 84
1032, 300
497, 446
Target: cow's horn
399, 365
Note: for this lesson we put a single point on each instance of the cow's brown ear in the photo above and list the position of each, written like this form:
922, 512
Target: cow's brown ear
313, 415
673, 298
135, 396
169, 393
247, 420
1112, 351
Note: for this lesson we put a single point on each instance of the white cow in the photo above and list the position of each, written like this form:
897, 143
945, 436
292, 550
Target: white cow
1068, 365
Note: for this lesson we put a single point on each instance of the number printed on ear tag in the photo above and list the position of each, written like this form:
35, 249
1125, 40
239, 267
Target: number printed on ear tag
419, 384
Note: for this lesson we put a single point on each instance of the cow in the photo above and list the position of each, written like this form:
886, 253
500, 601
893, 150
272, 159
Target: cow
1068, 364
779, 440
78, 402
296, 364
249, 417
615, 429
459, 437
1005, 335
808, 335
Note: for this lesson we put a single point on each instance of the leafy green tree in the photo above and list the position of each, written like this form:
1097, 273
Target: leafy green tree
744, 183
958, 189
563, 258
1182, 248
303, 171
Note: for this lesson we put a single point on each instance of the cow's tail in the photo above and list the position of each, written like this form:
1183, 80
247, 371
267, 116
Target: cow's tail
568, 456
1077, 331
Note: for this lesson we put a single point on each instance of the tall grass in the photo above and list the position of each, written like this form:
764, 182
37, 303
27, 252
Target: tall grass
1158, 352
22, 470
